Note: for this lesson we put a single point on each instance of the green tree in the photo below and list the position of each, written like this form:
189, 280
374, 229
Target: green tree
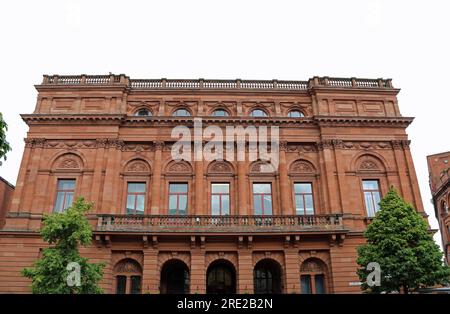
398, 239
4, 145
65, 232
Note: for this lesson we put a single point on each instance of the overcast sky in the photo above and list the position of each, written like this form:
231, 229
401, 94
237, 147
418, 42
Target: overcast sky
407, 41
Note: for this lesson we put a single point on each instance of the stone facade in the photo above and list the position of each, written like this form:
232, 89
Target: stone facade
439, 170
103, 132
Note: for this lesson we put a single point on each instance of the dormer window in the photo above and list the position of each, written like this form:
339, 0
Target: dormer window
181, 113
295, 114
143, 113
258, 113
220, 113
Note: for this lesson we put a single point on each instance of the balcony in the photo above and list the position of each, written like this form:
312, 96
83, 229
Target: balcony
220, 224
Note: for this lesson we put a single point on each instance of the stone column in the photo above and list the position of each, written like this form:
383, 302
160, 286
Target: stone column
150, 275
285, 191
242, 188
20, 185
198, 271
245, 280
156, 179
98, 174
200, 194
292, 284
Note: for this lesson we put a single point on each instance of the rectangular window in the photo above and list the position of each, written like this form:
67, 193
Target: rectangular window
306, 284
262, 198
304, 204
220, 198
319, 281
136, 198
135, 285
372, 197
121, 284
64, 194
178, 198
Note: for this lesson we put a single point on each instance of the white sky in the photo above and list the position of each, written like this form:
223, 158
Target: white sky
407, 41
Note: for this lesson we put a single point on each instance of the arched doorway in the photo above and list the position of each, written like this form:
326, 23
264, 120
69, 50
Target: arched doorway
128, 277
221, 278
267, 277
174, 277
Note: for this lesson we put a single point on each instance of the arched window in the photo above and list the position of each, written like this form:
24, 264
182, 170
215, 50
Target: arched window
220, 113
181, 113
174, 277
258, 113
128, 276
221, 278
143, 113
313, 276
295, 114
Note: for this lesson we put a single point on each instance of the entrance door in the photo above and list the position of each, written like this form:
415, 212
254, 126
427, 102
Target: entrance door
267, 277
175, 278
221, 278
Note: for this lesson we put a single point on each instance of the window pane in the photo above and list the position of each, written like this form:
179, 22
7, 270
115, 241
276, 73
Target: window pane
306, 284
299, 205
178, 187
220, 113
136, 187
182, 203
64, 184
261, 188
140, 203
258, 113
59, 202
370, 184
319, 280
303, 188
295, 114
215, 204
369, 204
173, 202
135, 284
225, 204
69, 199
130, 202
309, 204
220, 188
257, 203
121, 284
181, 113
376, 199
267, 205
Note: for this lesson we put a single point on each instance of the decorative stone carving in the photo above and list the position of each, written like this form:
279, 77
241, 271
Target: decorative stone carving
68, 163
301, 166
261, 167
137, 166
128, 266
368, 165
179, 167
220, 167
312, 265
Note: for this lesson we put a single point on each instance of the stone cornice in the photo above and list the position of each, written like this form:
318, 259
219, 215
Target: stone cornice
73, 118
123, 119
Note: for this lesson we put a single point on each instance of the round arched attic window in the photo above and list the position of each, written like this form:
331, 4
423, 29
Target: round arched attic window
295, 114
143, 113
181, 113
220, 113
258, 113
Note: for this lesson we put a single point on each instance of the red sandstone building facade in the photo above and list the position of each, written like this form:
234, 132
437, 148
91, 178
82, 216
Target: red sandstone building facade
439, 170
165, 226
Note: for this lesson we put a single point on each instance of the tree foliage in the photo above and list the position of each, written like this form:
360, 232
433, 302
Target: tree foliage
398, 239
4, 145
65, 232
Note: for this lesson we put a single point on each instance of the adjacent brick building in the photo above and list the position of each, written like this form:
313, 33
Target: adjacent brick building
6, 193
164, 226
439, 170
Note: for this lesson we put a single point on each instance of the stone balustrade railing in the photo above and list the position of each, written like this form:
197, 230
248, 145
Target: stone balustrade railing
112, 79
211, 224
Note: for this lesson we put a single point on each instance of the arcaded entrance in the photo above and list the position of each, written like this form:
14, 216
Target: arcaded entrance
267, 277
174, 277
221, 278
